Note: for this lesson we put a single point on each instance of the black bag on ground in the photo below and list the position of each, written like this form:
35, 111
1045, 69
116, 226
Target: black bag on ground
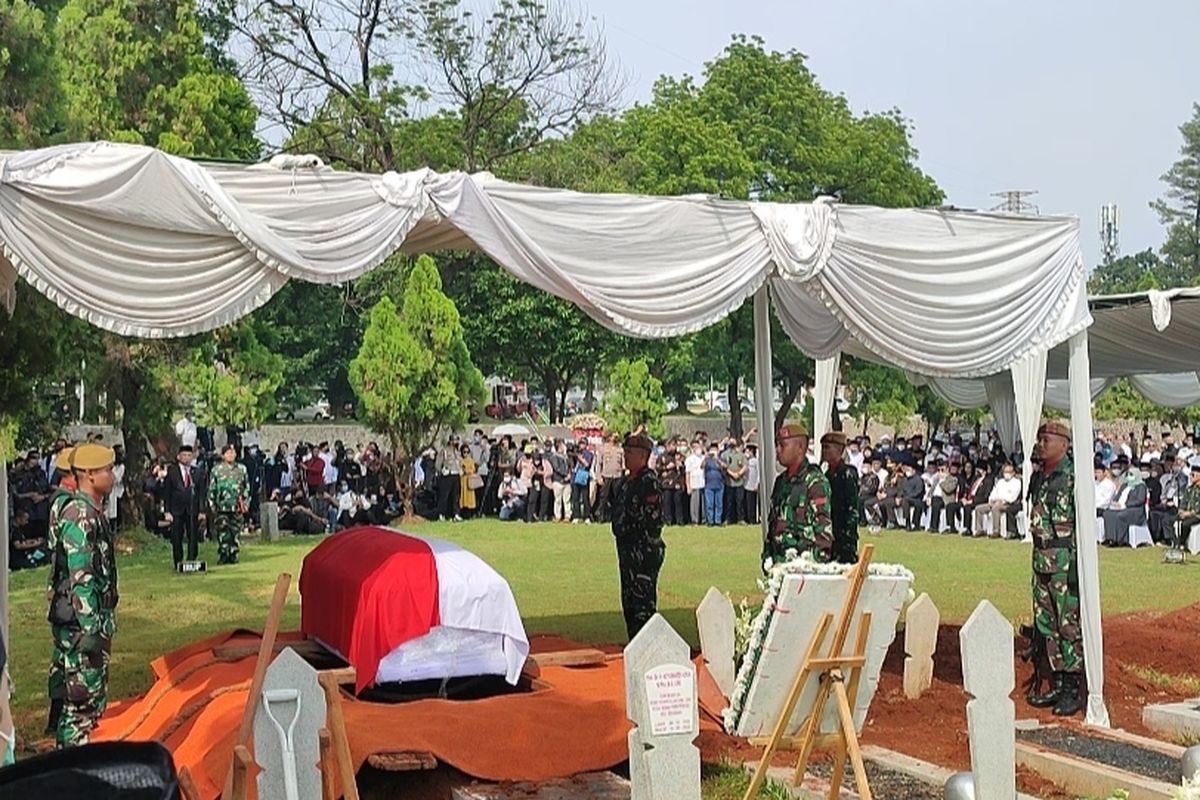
102, 771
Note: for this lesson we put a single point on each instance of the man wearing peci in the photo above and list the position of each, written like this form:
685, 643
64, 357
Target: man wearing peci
181, 506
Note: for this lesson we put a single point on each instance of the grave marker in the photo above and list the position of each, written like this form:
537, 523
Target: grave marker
292, 695
660, 700
988, 676
920, 640
268, 518
715, 620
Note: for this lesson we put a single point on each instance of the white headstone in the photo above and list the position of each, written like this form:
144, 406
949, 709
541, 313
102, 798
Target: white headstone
715, 620
920, 640
988, 676
298, 696
660, 700
268, 518
802, 601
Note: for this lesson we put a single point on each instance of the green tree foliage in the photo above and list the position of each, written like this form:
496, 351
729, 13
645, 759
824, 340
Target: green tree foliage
1124, 402
30, 97
1179, 209
137, 71
231, 377
878, 393
1138, 272
413, 373
634, 397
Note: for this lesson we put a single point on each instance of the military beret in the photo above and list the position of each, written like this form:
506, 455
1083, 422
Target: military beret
638, 442
834, 437
92, 456
1055, 429
62, 461
792, 430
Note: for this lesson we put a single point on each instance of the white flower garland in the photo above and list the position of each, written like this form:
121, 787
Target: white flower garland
804, 565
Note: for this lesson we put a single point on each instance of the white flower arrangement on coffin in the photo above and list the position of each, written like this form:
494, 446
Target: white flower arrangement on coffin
795, 565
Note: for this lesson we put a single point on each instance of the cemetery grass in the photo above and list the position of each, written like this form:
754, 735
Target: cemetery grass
564, 578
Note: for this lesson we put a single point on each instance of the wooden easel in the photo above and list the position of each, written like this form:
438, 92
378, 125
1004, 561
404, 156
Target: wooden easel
839, 677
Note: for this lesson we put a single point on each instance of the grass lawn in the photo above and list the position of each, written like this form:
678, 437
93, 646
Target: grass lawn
564, 578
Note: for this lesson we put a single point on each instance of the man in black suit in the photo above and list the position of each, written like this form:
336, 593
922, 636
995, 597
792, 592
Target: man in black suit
181, 505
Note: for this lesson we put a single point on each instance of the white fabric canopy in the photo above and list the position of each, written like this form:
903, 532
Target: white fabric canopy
147, 244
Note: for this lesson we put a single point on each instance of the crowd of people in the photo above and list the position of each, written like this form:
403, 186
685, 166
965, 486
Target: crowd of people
952, 486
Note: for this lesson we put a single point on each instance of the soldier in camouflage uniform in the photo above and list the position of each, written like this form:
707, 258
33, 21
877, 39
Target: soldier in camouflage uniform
84, 595
64, 491
228, 493
1189, 508
799, 520
637, 526
843, 497
1055, 576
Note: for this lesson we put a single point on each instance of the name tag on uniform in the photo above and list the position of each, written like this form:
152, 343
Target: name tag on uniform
192, 566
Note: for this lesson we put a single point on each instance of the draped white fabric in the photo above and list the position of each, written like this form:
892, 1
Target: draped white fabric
147, 244
1029, 388
1003, 402
824, 390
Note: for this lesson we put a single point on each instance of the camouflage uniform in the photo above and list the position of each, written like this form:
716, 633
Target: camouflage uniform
637, 525
1055, 577
228, 489
82, 613
843, 501
56, 684
799, 516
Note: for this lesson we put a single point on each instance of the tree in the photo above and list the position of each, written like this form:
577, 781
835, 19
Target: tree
933, 409
329, 75
1138, 272
634, 397
231, 378
30, 96
137, 71
413, 373
1179, 209
878, 392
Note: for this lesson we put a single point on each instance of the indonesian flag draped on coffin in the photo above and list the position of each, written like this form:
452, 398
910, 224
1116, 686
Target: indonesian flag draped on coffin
402, 607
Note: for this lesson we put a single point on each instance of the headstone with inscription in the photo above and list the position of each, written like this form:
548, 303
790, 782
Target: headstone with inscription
660, 700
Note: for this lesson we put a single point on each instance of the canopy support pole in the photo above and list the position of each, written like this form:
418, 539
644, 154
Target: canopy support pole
765, 402
5, 538
1085, 529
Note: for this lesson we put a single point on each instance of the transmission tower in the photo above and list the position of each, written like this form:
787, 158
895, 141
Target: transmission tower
1015, 202
1110, 244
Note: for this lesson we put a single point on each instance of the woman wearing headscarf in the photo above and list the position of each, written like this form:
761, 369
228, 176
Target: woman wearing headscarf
1129, 506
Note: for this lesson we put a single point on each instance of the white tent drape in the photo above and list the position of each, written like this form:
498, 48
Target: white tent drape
825, 388
1029, 388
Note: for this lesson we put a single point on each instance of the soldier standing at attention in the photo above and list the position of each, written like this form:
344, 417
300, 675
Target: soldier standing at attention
84, 598
843, 497
63, 491
228, 491
1055, 576
637, 526
799, 521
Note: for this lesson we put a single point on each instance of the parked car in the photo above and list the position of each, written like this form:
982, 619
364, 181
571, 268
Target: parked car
310, 413
721, 403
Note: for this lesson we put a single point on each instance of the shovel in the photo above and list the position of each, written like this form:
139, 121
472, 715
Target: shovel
286, 742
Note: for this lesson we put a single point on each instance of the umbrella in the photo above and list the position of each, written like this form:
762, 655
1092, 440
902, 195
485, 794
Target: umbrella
510, 429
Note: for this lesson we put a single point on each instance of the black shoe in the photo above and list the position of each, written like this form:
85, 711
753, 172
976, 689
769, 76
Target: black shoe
1069, 702
1051, 696
967, 533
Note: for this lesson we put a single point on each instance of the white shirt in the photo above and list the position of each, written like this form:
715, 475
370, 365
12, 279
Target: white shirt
883, 476
855, 457
1006, 489
752, 474
1105, 489
185, 429
330, 469
1153, 455
694, 466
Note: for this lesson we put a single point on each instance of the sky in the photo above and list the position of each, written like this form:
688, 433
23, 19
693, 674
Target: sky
1080, 101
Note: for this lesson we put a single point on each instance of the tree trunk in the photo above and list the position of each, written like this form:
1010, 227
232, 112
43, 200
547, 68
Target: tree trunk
735, 407
137, 453
978, 429
836, 418
562, 402
589, 392
404, 478
866, 422
550, 382
785, 405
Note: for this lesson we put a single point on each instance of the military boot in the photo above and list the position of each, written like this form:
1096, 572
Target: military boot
1070, 701
1051, 696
